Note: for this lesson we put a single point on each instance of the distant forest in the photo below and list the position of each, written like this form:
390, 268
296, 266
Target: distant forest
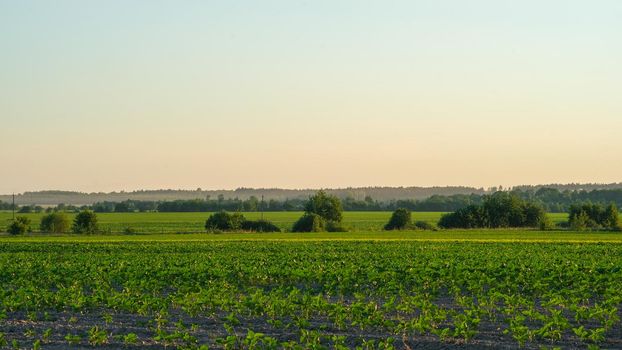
550, 198
47, 198
380, 194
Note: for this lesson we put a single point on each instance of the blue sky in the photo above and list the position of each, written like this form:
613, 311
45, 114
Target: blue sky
115, 95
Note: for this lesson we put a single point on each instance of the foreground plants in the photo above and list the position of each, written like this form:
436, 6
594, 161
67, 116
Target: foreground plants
310, 295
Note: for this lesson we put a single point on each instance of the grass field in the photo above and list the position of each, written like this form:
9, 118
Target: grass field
194, 222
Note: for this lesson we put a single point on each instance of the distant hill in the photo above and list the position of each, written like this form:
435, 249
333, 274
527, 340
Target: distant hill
359, 193
572, 187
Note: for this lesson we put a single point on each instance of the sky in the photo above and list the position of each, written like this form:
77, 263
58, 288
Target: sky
123, 95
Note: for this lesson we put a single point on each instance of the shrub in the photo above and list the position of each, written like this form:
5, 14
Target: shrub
498, 210
85, 222
224, 221
19, 226
546, 224
25, 209
593, 216
332, 226
400, 220
260, 226
309, 222
325, 205
611, 218
471, 216
581, 221
424, 225
54, 223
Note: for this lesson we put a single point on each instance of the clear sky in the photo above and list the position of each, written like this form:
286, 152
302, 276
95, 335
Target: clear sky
122, 95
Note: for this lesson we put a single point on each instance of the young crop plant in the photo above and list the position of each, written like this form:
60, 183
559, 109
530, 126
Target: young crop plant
72, 339
97, 336
310, 294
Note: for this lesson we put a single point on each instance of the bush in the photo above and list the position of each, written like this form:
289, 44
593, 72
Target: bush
325, 205
401, 219
309, 222
611, 218
332, 226
593, 216
471, 216
85, 222
260, 226
54, 223
424, 225
25, 209
224, 221
19, 226
498, 210
546, 224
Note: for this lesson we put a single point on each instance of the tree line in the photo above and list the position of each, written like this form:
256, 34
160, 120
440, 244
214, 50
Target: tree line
324, 212
550, 199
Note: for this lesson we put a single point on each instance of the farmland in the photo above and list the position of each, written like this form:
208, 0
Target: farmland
172, 285
467, 289
154, 222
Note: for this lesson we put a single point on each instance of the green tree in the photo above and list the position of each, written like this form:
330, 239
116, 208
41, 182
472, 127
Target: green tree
54, 223
19, 226
85, 222
325, 205
122, 207
611, 218
310, 222
580, 222
501, 209
400, 220
259, 226
25, 209
224, 221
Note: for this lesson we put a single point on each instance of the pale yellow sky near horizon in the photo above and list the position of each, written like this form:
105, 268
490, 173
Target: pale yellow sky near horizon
110, 96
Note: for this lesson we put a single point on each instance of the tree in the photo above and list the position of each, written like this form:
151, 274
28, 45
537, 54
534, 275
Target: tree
325, 205
472, 216
85, 222
25, 209
501, 209
400, 220
259, 226
593, 216
19, 226
224, 221
611, 218
580, 222
309, 222
54, 223
123, 207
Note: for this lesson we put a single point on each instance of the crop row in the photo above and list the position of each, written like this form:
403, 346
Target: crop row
311, 295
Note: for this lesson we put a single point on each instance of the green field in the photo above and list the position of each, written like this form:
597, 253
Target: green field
227, 292
194, 222
364, 289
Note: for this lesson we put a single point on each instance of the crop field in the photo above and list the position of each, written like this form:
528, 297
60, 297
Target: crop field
154, 222
233, 292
